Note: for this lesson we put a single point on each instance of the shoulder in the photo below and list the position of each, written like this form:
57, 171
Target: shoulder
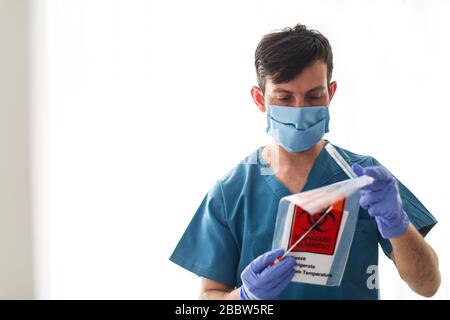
245, 170
243, 179
240, 174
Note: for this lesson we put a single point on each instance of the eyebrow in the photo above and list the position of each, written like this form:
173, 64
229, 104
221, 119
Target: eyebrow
316, 89
281, 90
309, 91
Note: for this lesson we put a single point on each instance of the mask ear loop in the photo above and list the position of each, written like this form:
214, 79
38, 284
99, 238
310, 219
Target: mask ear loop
279, 259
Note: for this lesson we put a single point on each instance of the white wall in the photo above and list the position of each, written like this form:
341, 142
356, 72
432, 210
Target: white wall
147, 104
16, 258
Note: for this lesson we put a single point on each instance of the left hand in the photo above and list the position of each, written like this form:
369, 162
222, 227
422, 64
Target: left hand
382, 200
263, 281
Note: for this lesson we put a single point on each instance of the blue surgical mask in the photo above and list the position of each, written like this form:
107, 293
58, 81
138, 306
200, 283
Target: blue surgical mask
298, 128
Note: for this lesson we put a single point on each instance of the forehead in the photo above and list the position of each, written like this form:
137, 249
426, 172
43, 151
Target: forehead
311, 77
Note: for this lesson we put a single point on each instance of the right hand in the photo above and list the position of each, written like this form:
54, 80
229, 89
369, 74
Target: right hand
263, 281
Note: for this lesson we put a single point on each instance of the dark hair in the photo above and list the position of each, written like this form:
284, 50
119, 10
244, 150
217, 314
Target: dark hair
283, 54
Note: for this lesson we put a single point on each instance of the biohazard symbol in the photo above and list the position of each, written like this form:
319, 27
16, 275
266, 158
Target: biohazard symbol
313, 218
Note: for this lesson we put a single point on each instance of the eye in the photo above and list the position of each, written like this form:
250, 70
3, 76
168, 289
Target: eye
314, 98
283, 99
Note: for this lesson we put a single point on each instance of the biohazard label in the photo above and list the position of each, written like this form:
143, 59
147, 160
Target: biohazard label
322, 238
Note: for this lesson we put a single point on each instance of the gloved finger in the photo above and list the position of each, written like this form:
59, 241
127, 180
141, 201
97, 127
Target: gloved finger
282, 284
377, 209
264, 260
378, 173
285, 278
384, 186
377, 185
370, 198
364, 202
273, 273
358, 169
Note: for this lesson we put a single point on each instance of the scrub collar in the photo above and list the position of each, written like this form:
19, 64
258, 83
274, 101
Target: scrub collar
323, 171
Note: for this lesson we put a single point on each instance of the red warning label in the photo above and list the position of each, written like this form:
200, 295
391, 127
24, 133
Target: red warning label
322, 239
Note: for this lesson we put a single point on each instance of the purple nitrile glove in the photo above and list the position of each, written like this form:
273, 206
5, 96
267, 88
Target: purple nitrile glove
263, 281
382, 200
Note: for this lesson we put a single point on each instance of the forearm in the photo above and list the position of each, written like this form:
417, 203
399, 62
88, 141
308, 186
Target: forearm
214, 294
416, 262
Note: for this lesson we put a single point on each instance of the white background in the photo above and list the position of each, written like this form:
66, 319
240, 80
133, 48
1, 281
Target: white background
140, 106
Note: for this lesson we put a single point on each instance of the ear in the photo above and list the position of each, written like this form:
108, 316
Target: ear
258, 98
332, 89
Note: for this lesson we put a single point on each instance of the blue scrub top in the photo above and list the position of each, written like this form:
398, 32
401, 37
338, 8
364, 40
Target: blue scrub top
235, 224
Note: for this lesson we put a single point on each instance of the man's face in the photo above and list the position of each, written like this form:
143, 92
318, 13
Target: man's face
309, 88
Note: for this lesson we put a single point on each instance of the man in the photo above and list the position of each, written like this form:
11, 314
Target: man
228, 242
